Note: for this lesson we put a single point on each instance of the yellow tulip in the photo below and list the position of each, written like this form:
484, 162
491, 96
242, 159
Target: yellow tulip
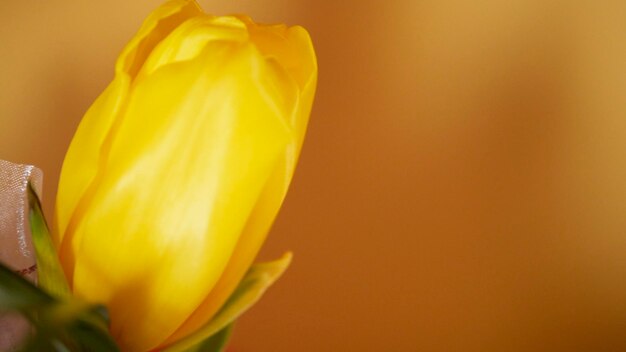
178, 169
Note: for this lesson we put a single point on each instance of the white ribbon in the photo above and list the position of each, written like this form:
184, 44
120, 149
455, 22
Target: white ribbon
16, 248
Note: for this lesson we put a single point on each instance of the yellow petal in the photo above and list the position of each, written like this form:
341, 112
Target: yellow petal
186, 42
82, 159
292, 49
89, 144
187, 164
291, 46
158, 25
275, 189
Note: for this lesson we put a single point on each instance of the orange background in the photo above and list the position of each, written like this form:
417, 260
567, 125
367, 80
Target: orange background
463, 182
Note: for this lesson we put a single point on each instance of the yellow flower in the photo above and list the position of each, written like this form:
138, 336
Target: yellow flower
179, 168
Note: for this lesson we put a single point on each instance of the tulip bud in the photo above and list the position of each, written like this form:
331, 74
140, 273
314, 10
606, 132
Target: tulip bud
179, 168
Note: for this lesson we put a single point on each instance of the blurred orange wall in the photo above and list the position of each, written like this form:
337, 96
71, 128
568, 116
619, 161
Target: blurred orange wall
462, 186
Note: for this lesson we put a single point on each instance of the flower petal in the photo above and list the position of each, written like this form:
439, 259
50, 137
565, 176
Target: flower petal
158, 25
270, 199
187, 164
84, 155
186, 42
292, 49
82, 158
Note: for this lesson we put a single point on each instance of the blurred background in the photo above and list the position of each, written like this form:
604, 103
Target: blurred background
463, 182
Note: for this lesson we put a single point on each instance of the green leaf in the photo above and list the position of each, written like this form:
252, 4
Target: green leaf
91, 337
256, 281
60, 325
215, 343
17, 294
50, 274
78, 324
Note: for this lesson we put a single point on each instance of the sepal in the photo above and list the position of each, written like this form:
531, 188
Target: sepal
215, 343
50, 274
254, 284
